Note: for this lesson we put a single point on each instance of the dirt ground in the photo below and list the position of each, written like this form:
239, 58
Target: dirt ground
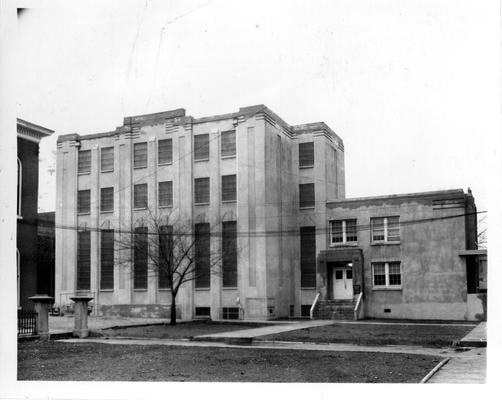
180, 330
369, 334
104, 362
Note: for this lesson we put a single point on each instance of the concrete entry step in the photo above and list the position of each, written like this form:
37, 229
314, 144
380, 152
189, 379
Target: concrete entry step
335, 310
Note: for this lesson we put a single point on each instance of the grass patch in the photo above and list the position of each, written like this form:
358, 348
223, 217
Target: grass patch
372, 335
181, 330
104, 362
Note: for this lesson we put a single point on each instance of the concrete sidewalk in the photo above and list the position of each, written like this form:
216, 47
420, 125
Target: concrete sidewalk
65, 324
476, 337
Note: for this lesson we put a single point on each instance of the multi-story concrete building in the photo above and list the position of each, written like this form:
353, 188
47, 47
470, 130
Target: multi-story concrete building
28, 140
280, 191
250, 167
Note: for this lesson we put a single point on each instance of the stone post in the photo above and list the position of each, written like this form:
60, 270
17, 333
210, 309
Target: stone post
81, 304
42, 304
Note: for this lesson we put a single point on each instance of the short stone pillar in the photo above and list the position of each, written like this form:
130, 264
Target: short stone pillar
42, 304
81, 304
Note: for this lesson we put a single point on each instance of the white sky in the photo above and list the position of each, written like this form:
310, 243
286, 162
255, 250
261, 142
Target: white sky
407, 85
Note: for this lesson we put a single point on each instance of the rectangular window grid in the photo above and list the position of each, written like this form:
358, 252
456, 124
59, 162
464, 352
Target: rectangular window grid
165, 151
141, 258
201, 190
387, 275
107, 255
166, 194
230, 313
83, 260
307, 195
385, 229
141, 195
228, 145
306, 154
229, 188
84, 202
107, 159
84, 161
202, 256
106, 201
201, 147
140, 155
307, 257
229, 256
165, 255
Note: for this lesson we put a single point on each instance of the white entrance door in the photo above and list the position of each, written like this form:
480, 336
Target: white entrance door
342, 284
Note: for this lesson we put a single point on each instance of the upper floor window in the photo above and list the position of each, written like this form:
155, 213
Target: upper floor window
166, 194
385, 229
141, 195
229, 188
343, 231
165, 151
106, 203
306, 154
201, 190
387, 275
307, 195
84, 161
83, 201
19, 186
228, 146
140, 155
201, 147
107, 159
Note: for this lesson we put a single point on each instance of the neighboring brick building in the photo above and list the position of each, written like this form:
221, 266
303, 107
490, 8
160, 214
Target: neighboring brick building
28, 139
278, 186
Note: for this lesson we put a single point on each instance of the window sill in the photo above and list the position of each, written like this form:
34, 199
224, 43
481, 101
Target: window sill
201, 160
106, 212
230, 288
229, 157
164, 289
106, 171
307, 208
140, 290
308, 288
84, 213
106, 290
139, 167
83, 173
139, 208
202, 289
384, 243
165, 164
229, 201
169, 206
306, 166
345, 244
378, 289
201, 204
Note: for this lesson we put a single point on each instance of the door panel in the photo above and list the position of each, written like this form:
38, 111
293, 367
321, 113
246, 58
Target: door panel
342, 284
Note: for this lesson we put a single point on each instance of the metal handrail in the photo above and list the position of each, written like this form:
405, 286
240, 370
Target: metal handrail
359, 302
313, 305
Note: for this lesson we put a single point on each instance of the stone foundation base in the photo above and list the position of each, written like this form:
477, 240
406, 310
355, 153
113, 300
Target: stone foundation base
138, 310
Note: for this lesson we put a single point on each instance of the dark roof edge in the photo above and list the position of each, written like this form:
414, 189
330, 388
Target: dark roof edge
34, 127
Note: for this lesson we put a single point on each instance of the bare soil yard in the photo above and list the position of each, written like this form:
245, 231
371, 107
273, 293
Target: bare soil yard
180, 330
381, 334
95, 362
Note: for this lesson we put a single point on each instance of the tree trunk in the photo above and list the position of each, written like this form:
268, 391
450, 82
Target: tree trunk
173, 310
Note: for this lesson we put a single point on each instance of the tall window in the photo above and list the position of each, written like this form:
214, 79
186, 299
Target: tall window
107, 159
84, 260
343, 231
107, 254
141, 195
83, 201
84, 161
202, 256
141, 258
165, 149
229, 256
229, 187
306, 154
307, 195
387, 275
307, 257
201, 190
201, 147
166, 194
228, 146
106, 201
385, 230
140, 155
165, 255
19, 186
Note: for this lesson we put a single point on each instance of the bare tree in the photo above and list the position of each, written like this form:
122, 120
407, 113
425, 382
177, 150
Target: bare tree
162, 245
482, 229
